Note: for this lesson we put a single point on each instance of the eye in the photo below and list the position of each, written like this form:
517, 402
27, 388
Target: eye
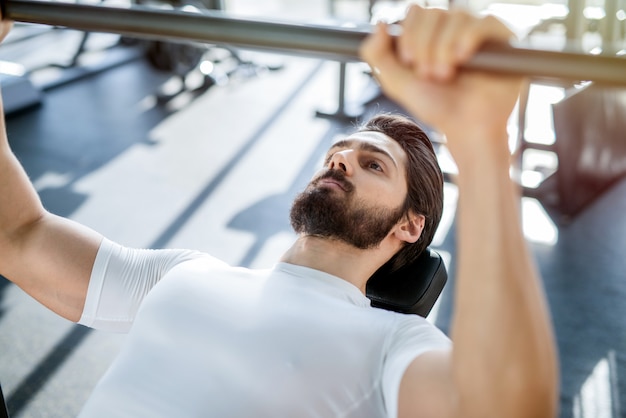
373, 165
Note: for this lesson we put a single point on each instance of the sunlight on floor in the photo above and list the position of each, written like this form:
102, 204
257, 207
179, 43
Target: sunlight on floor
595, 399
537, 225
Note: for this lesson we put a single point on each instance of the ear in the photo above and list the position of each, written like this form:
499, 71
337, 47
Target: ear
410, 228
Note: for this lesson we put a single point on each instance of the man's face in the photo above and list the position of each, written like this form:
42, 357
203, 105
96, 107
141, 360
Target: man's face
358, 196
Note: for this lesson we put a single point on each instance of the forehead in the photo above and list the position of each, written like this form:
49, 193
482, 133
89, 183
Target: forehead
379, 140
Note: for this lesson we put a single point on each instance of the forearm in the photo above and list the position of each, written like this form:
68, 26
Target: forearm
504, 359
19, 202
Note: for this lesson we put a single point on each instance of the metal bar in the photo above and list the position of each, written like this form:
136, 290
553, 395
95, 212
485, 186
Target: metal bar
329, 42
210, 27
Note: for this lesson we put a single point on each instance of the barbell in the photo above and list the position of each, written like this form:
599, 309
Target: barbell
328, 42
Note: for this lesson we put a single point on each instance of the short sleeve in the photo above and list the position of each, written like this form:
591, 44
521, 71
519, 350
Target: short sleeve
121, 277
413, 336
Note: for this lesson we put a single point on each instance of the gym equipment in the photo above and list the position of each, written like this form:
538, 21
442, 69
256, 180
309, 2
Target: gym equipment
23, 88
17, 90
339, 44
589, 127
177, 58
341, 113
588, 124
411, 289
214, 64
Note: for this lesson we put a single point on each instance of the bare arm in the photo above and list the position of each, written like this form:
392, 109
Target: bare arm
504, 359
47, 256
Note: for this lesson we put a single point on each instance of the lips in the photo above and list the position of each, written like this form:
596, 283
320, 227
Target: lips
332, 182
334, 178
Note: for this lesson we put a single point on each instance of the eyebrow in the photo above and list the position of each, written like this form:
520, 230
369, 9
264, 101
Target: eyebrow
367, 146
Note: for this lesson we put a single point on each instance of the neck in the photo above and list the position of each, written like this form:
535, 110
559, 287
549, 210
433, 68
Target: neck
335, 257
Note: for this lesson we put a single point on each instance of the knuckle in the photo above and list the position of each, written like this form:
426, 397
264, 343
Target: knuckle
412, 10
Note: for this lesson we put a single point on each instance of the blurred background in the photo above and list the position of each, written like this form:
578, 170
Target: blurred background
158, 144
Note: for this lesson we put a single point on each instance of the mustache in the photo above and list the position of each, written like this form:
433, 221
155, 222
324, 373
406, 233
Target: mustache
336, 175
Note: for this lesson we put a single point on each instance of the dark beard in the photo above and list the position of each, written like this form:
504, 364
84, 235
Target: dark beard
327, 213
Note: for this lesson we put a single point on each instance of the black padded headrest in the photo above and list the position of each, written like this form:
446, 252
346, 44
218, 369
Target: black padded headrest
413, 288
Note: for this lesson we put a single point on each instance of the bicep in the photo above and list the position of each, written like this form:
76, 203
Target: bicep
51, 259
426, 388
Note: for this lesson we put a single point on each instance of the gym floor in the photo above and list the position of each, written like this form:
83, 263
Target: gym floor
215, 170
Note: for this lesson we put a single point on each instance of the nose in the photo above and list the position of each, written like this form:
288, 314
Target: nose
341, 161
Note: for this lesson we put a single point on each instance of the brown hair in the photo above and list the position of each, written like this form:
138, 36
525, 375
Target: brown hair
424, 179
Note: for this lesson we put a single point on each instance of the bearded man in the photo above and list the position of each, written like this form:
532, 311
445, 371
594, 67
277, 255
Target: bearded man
301, 339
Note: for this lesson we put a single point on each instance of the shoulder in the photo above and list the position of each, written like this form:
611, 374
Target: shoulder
414, 330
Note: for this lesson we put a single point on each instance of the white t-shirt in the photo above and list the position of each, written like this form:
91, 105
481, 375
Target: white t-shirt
210, 340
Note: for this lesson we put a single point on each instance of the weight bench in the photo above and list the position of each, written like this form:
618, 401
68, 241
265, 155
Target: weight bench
412, 289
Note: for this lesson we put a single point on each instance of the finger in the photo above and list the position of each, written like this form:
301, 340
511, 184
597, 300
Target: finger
478, 32
418, 38
405, 44
379, 51
445, 59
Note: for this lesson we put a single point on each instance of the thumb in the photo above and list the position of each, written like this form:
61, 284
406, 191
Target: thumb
378, 50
